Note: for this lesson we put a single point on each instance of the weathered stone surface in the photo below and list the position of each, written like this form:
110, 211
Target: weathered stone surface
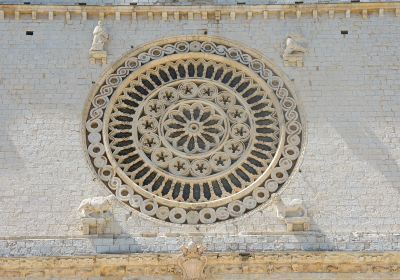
348, 90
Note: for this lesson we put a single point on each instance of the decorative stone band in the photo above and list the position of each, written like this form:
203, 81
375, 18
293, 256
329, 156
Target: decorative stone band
217, 264
206, 12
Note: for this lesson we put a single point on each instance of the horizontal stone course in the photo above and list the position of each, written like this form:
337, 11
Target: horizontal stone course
174, 2
312, 241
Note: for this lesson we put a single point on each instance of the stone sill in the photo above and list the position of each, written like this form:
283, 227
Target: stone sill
170, 234
149, 243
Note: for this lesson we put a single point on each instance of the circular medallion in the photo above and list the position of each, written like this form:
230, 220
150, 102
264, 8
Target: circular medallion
193, 130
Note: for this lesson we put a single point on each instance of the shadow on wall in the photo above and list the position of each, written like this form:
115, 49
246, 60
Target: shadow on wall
11, 160
370, 148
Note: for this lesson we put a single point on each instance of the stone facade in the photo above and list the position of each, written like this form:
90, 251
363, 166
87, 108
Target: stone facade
347, 89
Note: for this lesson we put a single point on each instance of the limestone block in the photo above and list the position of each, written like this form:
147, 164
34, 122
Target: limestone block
93, 225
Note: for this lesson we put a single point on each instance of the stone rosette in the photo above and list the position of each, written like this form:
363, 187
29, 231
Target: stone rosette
193, 130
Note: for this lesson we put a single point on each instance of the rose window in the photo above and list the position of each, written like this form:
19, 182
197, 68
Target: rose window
193, 131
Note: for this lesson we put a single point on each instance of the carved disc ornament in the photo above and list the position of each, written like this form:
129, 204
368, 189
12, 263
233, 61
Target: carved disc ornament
193, 130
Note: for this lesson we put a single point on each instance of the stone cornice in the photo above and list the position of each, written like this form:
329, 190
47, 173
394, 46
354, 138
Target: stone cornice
217, 263
206, 12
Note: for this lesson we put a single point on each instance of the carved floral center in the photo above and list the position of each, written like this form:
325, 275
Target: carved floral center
194, 127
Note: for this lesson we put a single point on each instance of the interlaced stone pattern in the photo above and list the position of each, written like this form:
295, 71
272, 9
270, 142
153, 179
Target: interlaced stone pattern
193, 130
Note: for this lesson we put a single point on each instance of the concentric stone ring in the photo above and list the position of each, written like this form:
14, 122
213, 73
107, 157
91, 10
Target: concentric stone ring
200, 132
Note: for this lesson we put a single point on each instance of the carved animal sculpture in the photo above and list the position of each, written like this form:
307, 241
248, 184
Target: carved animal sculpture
293, 47
96, 206
294, 209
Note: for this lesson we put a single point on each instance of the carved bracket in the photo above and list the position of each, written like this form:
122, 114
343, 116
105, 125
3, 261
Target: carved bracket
98, 56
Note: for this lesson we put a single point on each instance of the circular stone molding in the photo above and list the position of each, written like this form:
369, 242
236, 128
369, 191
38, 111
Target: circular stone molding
193, 130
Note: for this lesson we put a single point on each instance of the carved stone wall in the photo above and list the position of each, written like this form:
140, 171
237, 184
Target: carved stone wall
348, 90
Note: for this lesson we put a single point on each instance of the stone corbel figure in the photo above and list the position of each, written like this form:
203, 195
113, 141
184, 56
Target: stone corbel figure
293, 52
95, 213
100, 37
192, 262
293, 214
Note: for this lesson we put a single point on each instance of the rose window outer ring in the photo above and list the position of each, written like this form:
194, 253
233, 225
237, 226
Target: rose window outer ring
285, 161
